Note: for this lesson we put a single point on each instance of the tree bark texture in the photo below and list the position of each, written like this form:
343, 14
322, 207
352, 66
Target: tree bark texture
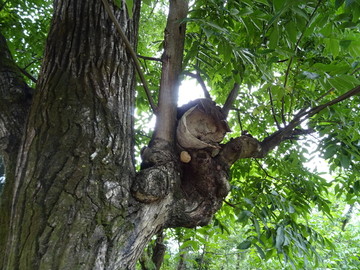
67, 204
15, 100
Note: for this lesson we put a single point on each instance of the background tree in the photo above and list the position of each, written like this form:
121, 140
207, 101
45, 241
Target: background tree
279, 69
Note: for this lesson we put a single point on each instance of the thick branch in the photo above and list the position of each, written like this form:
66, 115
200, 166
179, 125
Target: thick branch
15, 102
15, 97
171, 69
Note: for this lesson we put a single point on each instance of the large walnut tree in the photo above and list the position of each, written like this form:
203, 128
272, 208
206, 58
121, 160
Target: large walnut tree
73, 198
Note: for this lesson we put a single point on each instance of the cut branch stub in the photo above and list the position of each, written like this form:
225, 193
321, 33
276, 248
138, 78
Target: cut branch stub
201, 126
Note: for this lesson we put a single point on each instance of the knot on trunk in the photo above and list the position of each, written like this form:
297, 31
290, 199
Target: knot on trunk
152, 184
155, 178
158, 152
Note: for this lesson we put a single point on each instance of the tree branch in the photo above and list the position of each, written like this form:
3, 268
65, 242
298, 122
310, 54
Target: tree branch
15, 101
159, 250
292, 58
197, 76
246, 146
27, 74
273, 110
276, 138
239, 120
171, 70
132, 54
230, 99
149, 58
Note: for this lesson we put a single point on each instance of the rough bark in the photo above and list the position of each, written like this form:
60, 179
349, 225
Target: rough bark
71, 207
15, 100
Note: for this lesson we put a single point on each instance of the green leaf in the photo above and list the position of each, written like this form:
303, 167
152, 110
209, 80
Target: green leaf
357, 186
274, 38
291, 31
345, 44
117, 3
190, 243
330, 151
332, 46
280, 237
129, 7
354, 48
332, 68
244, 216
338, 3
264, 2
344, 82
147, 2
345, 161
278, 92
279, 4
244, 245
260, 251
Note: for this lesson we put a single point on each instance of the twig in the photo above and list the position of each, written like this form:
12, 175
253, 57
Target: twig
197, 76
32, 62
131, 52
239, 120
266, 173
230, 204
27, 74
149, 58
230, 99
292, 58
298, 42
272, 109
319, 108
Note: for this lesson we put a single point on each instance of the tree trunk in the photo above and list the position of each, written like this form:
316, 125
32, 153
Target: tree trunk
67, 202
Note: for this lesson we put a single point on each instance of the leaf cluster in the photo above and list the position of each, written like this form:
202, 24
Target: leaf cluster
25, 24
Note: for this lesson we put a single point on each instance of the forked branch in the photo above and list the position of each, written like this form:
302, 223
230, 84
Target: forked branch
287, 132
248, 147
